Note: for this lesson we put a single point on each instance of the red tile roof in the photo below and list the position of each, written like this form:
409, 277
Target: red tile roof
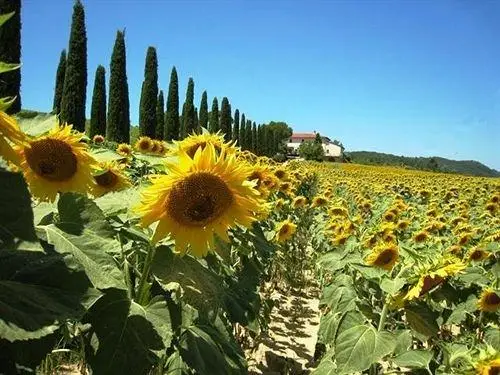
304, 135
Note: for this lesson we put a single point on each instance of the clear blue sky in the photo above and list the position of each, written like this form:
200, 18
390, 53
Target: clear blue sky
418, 78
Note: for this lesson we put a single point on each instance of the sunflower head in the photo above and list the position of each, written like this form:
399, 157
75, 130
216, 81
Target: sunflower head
421, 236
491, 367
299, 202
200, 197
281, 174
110, 177
383, 256
144, 144
285, 230
10, 134
489, 300
476, 254
124, 149
402, 224
192, 143
320, 201
57, 162
98, 139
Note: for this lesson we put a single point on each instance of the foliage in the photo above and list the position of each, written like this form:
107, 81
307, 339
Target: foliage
225, 119
160, 116
213, 124
203, 117
60, 74
118, 124
149, 95
311, 151
10, 53
236, 126
75, 79
242, 135
172, 126
188, 125
98, 109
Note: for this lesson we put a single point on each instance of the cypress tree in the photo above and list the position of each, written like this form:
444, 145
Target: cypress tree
188, 125
10, 52
270, 142
75, 79
196, 121
160, 116
149, 95
248, 135
204, 111
236, 127
118, 126
58, 92
259, 140
98, 110
213, 125
172, 115
254, 138
241, 135
225, 119
265, 134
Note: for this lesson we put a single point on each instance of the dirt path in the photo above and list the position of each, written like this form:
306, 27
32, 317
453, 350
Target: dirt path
288, 347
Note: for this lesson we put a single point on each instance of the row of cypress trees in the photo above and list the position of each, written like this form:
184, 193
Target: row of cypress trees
157, 119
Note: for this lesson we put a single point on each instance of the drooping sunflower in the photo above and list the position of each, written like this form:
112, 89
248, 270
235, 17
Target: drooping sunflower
110, 177
434, 274
124, 149
10, 132
299, 202
57, 162
489, 300
98, 139
259, 174
383, 256
200, 197
285, 230
491, 367
281, 174
320, 201
421, 236
144, 144
191, 144
476, 254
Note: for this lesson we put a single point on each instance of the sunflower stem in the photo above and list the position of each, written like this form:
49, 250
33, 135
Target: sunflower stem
383, 316
143, 288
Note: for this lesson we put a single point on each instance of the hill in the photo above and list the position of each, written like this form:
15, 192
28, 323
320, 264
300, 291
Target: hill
438, 164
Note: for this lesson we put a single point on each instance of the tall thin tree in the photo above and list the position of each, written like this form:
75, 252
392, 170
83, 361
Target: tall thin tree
149, 95
58, 91
213, 125
188, 125
254, 138
98, 109
118, 126
241, 137
160, 116
75, 79
10, 52
225, 119
248, 135
172, 114
236, 126
204, 111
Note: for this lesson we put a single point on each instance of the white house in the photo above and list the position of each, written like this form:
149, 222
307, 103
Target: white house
296, 139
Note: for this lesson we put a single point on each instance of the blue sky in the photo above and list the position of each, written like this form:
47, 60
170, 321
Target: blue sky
417, 78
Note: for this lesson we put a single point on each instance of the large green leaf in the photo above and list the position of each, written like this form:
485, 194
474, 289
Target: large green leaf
5, 67
492, 337
360, 346
123, 201
327, 365
414, 359
176, 366
90, 251
422, 320
126, 338
38, 292
339, 299
105, 155
16, 218
404, 340
38, 125
460, 311
392, 286
327, 330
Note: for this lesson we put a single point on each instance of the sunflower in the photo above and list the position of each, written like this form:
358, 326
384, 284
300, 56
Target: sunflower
144, 144
476, 254
200, 197
191, 144
281, 174
259, 174
402, 224
433, 275
491, 367
421, 236
389, 216
319, 201
285, 187
57, 162
98, 139
299, 201
159, 147
383, 256
285, 230
10, 132
110, 178
489, 300
124, 149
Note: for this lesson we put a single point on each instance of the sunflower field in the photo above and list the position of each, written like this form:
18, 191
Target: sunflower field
161, 258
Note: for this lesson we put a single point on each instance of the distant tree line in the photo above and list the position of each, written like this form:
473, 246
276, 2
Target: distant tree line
159, 117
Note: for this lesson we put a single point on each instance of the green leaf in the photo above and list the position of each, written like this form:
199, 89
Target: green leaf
38, 125
104, 155
360, 346
16, 220
327, 330
339, 299
392, 286
422, 320
414, 359
327, 365
473, 275
38, 292
176, 366
369, 272
123, 339
492, 337
459, 312
404, 340
5, 17
5, 67
6, 102
89, 250
114, 203
332, 261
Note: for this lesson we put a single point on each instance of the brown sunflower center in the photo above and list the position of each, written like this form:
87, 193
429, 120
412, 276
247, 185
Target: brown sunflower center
280, 174
477, 255
107, 179
430, 282
256, 176
385, 257
191, 151
284, 229
51, 159
145, 144
492, 299
199, 199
